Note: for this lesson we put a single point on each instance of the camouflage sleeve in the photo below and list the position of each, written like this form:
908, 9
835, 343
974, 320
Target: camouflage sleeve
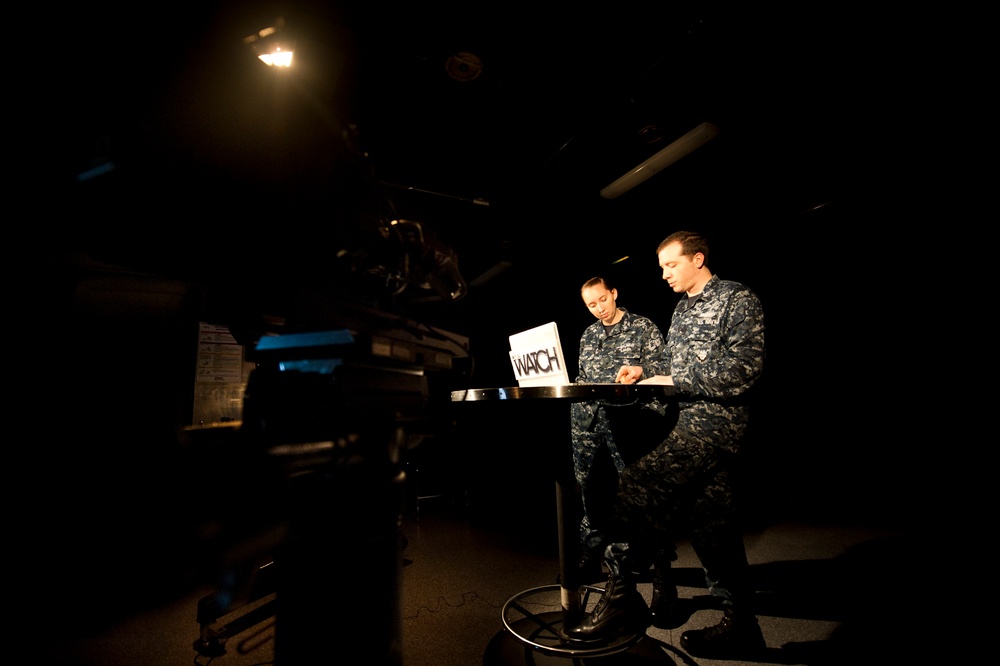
589, 355
655, 360
726, 365
582, 413
581, 375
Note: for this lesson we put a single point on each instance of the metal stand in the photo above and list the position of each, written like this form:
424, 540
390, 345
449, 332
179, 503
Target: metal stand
532, 618
540, 630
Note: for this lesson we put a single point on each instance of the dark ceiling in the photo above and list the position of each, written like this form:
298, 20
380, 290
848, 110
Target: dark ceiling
491, 126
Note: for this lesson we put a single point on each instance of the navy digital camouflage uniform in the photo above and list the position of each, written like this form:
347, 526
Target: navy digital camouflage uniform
683, 488
634, 340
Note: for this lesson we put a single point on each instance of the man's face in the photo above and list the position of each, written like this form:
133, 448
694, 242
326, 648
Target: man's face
600, 302
681, 272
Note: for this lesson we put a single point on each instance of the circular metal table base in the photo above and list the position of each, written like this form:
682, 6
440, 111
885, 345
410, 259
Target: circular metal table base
505, 649
532, 621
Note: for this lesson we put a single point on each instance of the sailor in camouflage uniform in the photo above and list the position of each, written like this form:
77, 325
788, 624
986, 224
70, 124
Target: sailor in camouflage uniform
619, 338
715, 349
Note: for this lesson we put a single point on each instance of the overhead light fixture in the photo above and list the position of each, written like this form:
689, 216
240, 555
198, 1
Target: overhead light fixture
697, 137
277, 58
272, 49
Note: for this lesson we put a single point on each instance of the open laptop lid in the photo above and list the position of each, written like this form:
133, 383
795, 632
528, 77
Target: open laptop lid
537, 357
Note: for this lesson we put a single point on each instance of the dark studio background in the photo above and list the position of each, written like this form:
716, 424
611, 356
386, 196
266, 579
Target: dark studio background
243, 197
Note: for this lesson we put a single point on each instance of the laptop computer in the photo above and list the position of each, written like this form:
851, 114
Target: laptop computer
537, 357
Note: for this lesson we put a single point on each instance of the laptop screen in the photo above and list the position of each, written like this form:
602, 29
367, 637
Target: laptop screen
537, 357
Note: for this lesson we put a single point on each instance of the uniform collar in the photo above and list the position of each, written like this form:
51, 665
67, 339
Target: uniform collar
622, 323
707, 293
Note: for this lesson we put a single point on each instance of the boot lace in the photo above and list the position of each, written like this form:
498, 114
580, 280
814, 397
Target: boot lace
724, 628
605, 598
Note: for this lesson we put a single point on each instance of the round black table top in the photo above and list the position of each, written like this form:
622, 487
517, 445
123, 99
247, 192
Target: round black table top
571, 392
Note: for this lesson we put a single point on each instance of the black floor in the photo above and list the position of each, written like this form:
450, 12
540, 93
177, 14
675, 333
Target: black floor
821, 589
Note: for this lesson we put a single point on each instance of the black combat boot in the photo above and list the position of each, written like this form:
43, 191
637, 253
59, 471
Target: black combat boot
663, 606
737, 636
621, 609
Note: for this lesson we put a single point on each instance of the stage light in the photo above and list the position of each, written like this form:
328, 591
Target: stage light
277, 58
697, 137
270, 47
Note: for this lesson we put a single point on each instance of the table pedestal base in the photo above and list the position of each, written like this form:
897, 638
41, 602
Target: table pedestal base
532, 620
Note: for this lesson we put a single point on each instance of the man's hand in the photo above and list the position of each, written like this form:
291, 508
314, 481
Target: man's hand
629, 374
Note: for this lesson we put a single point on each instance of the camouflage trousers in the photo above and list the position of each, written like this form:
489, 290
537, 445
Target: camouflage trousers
596, 466
682, 489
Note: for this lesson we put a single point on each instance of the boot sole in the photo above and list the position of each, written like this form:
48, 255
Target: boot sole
634, 627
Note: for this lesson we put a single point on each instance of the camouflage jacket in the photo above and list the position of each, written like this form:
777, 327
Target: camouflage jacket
715, 348
634, 340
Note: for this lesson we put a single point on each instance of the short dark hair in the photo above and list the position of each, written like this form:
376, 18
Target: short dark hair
596, 280
691, 243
